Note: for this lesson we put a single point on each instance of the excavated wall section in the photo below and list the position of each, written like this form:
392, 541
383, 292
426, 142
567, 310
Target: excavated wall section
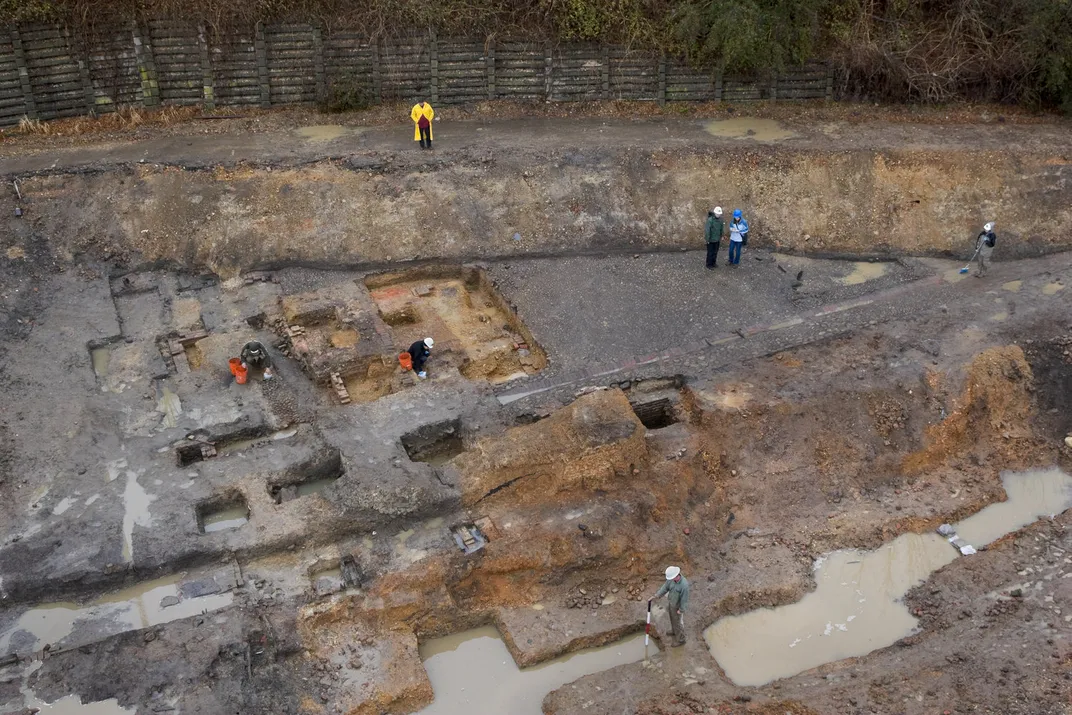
390, 208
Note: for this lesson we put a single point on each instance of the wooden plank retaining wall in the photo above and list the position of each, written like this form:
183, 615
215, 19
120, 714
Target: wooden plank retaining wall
47, 71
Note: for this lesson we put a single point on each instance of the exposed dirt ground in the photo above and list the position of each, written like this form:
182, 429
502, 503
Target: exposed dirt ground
182, 543
364, 195
182, 121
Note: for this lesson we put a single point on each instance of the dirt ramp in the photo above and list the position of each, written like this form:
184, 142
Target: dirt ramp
992, 414
369, 670
586, 446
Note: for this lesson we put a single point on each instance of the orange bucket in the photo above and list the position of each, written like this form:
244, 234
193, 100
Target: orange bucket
238, 371
405, 360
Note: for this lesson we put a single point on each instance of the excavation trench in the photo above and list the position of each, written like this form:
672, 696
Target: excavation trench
857, 606
369, 526
874, 187
69, 625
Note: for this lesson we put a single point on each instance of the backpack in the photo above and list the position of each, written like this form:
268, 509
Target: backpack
991, 239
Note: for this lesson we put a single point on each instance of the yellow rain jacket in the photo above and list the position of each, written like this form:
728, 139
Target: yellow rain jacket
416, 113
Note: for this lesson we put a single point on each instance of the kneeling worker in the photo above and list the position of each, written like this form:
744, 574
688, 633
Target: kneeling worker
255, 355
419, 352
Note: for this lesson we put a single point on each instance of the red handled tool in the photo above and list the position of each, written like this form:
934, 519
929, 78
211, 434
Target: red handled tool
647, 628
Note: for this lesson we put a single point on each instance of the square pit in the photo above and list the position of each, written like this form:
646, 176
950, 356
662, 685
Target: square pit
475, 329
223, 513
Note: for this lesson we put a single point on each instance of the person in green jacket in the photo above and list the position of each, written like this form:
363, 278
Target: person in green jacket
677, 589
713, 233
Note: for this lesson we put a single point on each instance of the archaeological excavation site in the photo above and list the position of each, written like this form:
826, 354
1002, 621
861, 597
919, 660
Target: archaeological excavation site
857, 452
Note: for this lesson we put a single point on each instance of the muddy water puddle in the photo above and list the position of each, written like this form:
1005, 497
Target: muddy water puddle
857, 606
101, 358
472, 673
1031, 494
863, 272
141, 606
72, 705
328, 581
136, 503
223, 519
241, 445
762, 130
315, 486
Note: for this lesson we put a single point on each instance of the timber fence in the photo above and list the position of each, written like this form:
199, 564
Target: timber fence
48, 71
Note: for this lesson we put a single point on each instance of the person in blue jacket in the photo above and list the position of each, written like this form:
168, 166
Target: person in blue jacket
738, 236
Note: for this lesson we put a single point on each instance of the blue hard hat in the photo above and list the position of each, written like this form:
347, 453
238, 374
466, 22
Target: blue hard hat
736, 213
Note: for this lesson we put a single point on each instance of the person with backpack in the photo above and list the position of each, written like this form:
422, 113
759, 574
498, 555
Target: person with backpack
713, 233
738, 236
984, 248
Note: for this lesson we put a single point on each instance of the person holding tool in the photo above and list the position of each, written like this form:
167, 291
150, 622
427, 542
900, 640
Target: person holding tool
676, 589
255, 355
419, 353
984, 247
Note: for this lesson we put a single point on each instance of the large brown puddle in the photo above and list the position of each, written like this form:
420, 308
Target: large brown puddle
141, 606
472, 673
863, 272
760, 130
857, 605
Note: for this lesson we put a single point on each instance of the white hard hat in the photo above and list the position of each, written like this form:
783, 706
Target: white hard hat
429, 342
718, 211
988, 226
672, 572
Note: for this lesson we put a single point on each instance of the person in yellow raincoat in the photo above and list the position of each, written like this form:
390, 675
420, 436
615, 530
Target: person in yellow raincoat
422, 115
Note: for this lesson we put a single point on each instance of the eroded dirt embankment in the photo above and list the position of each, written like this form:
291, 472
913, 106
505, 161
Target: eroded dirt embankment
383, 206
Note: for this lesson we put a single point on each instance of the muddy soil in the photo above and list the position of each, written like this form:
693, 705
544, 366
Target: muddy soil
744, 475
538, 186
196, 121
303, 553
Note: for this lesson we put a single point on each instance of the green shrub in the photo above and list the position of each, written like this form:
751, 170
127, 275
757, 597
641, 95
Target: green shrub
748, 36
347, 94
929, 51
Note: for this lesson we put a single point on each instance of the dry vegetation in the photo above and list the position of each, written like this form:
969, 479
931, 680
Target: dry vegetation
123, 119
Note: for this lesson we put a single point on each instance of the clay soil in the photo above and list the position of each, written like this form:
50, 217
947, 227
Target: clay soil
281, 188
857, 413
